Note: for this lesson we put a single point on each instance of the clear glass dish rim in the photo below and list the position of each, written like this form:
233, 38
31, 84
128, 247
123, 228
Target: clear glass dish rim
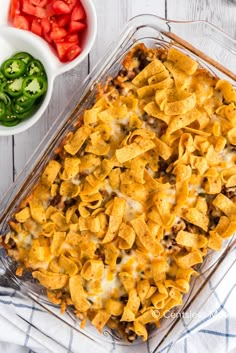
61, 124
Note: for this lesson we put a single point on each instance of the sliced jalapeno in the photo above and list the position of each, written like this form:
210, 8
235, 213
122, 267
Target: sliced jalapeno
34, 86
3, 82
10, 122
18, 109
9, 115
23, 83
4, 97
35, 68
3, 86
2, 109
13, 68
24, 115
24, 101
3, 79
26, 57
14, 88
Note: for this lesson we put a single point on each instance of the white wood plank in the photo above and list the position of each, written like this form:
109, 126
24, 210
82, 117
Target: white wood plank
112, 17
155, 7
6, 165
221, 13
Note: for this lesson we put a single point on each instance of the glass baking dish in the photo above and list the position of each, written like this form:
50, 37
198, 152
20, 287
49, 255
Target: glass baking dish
215, 51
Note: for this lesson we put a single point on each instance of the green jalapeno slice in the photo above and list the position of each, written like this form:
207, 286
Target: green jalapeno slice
14, 88
35, 68
13, 68
26, 57
2, 109
34, 86
24, 101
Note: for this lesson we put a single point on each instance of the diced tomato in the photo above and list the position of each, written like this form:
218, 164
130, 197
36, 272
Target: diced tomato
63, 20
78, 12
76, 26
60, 7
40, 3
72, 52
14, 9
58, 33
46, 25
36, 27
59, 22
72, 38
30, 9
21, 22
29, 18
49, 9
40, 12
71, 3
47, 37
62, 48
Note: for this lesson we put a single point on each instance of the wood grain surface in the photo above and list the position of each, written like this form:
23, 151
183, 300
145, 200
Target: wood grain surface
112, 16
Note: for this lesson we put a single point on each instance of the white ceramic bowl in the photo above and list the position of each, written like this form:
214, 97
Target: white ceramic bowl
13, 40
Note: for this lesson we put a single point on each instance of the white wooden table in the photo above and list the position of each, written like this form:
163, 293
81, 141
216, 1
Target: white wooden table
112, 16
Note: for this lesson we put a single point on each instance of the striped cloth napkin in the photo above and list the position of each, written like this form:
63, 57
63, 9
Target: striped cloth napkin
26, 328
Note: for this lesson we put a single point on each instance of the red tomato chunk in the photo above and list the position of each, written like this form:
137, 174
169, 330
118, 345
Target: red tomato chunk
62, 23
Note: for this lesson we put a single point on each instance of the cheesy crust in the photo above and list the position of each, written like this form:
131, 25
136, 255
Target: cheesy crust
136, 196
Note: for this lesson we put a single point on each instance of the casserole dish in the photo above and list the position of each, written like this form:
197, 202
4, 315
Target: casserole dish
152, 31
